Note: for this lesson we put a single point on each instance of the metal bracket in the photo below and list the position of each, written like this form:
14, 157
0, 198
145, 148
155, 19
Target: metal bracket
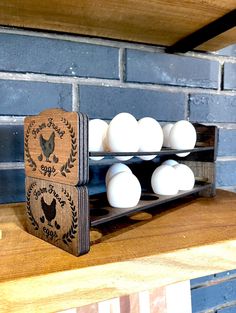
204, 34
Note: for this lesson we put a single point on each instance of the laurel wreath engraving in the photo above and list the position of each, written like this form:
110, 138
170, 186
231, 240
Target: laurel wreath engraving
69, 163
27, 153
28, 207
69, 236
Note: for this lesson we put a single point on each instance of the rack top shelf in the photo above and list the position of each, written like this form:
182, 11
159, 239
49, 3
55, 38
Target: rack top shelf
153, 22
189, 240
164, 151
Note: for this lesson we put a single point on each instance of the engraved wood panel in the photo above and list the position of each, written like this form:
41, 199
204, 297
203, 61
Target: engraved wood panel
54, 147
58, 214
205, 172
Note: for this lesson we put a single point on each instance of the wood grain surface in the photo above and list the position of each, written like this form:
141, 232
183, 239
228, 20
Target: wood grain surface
155, 22
58, 214
188, 239
52, 146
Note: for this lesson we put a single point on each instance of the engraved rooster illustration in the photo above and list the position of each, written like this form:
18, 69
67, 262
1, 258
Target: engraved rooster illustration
49, 210
47, 145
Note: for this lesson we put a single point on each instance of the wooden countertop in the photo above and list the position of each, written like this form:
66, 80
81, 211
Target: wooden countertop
153, 22
187, 239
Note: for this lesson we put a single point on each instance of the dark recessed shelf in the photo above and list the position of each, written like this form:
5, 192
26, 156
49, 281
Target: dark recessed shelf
164, 151
101, 212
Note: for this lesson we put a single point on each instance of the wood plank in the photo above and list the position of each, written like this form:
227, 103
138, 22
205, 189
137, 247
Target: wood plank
154, 22
226, 39
70, 289
188, 239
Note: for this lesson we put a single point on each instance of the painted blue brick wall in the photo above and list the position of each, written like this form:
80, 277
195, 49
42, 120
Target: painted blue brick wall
169, 69
12, 185
230, 76
215, 293
226, 173
26, 97
227, 142
106, 102
214, 296
212, 279
209, 108
102, 80
11, 143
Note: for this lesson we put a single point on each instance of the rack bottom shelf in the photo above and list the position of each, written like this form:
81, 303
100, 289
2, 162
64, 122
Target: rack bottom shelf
101, 212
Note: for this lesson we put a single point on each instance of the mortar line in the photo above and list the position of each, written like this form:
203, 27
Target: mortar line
37, 77
187, 107
11, 120
12, 165
155, 87
111, 83
214, 281
223, 306
225, 158
221, 76
75, 97
122, 65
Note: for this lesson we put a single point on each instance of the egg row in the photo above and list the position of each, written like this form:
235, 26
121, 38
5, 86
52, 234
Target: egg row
170, 177
124, 189
126, 134
181, 135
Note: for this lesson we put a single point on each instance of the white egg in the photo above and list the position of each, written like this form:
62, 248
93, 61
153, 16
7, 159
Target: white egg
123, 190
97, 136
150, 136
115, 169
164, 180
123, 134
182, 136
170, 162
166, 132
185, 177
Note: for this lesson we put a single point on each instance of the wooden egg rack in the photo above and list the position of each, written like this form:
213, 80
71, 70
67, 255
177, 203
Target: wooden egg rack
63, 203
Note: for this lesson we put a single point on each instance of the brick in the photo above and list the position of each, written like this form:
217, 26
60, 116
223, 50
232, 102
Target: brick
225, 173
57, 57
11, 143
27, 98
167, 69
210, 297
227, 142
212, 108
106, 102
230, 76
13, 188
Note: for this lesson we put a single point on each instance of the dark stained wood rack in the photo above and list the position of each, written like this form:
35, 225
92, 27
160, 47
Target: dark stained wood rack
65, 191
201, 160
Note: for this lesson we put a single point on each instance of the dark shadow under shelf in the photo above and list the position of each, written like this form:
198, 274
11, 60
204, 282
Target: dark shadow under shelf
101, 212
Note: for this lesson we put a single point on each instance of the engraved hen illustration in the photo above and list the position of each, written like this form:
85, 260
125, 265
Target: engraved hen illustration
47, 145
49, 210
